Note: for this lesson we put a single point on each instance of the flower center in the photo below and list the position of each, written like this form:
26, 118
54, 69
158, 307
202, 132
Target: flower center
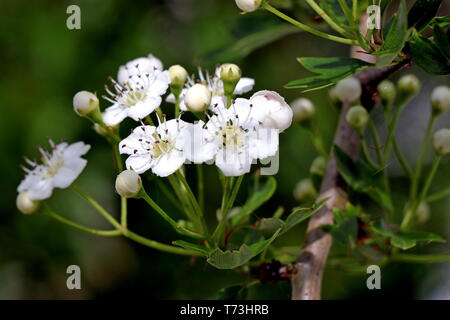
232, 136
133, 97
53, 166
161, 146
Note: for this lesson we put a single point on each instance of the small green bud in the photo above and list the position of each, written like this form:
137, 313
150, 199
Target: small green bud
441, 141
357, 117
318, 166
178, 76
423, 212
304, 190
197, 98
128, 184
387, 91
229, 74
85, 103
303, 110
25, 204
348, 90
409, 85
440, 99
248, 5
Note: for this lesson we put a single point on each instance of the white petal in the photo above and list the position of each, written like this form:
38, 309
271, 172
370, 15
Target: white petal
68, 173
244, 85
171, 128
76, 149
144, 108
263, 143
233, 162
139, 163
41, 190
137, 140
170, 98
168, 163
160, 84
114, 115
199, 145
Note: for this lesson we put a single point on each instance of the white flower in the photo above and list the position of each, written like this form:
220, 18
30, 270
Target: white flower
137, 98
233, 139
128, 184
157, 148
137, 66
59, 169
214, 84
271, 111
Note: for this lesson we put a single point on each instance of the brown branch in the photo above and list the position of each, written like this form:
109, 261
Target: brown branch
307, 281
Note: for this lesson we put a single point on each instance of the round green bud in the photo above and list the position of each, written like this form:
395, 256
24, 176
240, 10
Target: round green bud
318, 166
128, 184
303, 109
348, 90
357, 117
25, 204
230, 72
423, 212
441, 141
387, 91
440, 99
178, 75
409, 85
304, 190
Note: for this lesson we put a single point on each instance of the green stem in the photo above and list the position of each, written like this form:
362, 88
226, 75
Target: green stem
418, 258
347, 11
355, 11
200, 187
104, 233
438, 195
401, 158
124, 212
307, 28
376, 140
177, 106
325, 17
430, 177
166, 217
366, 153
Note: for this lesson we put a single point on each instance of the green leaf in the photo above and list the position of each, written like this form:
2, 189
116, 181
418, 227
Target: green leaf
422, 12
429, 56
442, 40
231, 259
395, 39
248, 33
188, 245
361, 177
334, 10
267, 226
299, 215
256, 200
345, 227
330, 71
405, 239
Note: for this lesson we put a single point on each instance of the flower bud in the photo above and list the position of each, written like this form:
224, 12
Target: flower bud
25, 204
408, 85
440, 99
441, 141
423, 212
357, 117
348, 90
303, 109
128, 184
248, 5
304, 190
85, 102
197, 98
386, 89
318, 166
178, 75
229, 74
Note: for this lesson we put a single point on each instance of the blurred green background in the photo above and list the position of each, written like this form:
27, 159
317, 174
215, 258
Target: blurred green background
43, 64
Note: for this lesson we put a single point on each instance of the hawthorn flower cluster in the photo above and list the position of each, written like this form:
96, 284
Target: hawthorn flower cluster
232, 132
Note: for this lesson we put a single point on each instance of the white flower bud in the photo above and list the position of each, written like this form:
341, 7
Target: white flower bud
303, 109
277, 114
25, 204
348, 90
441, 141
357, 117
423, 212
248, 5
318, 166
197, 98
304, 190
85, 102
230, 72
409, 84
387, 91
178, 75
128, 184
440, 99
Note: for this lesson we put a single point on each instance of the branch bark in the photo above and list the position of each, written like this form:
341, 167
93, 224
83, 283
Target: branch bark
307, 281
